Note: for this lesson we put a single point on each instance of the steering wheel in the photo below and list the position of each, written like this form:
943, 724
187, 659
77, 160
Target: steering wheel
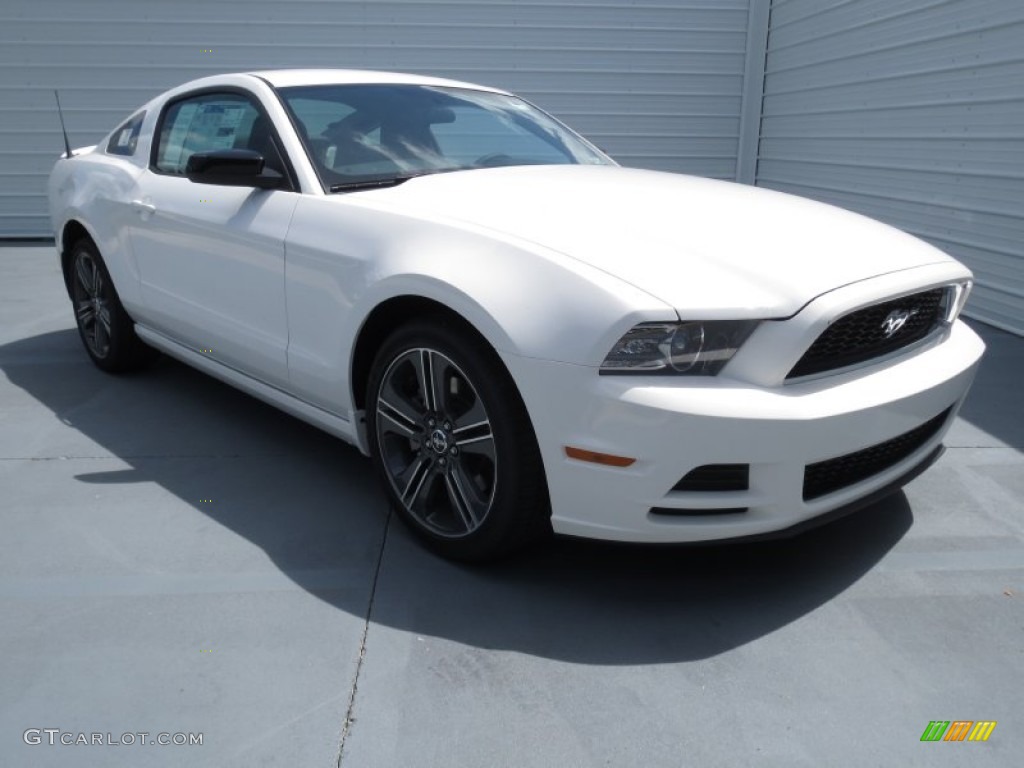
492, 160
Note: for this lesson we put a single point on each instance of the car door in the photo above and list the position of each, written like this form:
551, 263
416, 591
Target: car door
210, 256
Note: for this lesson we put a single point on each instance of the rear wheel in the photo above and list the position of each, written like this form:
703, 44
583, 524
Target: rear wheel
453, 444
106, 329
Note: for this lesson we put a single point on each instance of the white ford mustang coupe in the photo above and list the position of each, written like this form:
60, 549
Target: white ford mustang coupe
522, 335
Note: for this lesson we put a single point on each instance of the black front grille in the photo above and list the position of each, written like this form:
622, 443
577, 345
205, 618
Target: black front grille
831, 475
861, 335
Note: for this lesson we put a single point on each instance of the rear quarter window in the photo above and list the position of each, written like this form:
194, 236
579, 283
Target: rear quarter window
124, 140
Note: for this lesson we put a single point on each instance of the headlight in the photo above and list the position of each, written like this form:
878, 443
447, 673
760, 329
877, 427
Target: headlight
691, 349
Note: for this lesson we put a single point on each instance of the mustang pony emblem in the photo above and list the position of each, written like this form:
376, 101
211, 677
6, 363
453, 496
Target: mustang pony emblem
896, 320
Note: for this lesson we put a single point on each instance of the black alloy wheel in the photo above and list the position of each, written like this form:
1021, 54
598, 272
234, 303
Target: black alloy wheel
453, 444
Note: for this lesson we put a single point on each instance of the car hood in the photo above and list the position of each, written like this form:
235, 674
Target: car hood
708, 248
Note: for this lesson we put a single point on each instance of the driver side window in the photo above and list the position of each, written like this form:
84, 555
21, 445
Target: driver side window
209, 122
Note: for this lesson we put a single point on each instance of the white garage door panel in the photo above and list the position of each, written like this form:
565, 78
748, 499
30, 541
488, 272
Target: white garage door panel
910, 111
657, 83
898, 181
990, 157
912, 91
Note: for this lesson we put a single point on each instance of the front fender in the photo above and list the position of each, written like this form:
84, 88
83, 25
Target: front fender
524, 298
347, 256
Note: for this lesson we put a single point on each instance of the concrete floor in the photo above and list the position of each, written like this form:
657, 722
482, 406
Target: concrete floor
177, 557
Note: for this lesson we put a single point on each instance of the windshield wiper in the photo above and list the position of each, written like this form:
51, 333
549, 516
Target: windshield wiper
355, 186
388, 181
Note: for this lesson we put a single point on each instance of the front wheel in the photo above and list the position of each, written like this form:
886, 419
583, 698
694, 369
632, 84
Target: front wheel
453, 444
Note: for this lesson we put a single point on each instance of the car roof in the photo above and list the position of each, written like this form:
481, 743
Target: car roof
283, 78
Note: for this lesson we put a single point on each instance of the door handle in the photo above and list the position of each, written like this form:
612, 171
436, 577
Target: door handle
145, 210
143, 207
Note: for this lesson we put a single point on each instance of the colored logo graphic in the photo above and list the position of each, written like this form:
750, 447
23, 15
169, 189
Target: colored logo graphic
958, 730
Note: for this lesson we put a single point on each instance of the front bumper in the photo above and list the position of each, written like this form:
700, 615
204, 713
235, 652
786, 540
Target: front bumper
674, 425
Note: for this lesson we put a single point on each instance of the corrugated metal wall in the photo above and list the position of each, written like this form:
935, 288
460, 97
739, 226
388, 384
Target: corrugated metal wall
656, 83
911, 111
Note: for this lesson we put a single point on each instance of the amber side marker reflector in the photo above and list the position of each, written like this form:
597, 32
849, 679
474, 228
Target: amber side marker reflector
594, 457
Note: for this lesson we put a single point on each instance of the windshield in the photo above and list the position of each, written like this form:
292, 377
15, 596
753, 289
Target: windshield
364, 136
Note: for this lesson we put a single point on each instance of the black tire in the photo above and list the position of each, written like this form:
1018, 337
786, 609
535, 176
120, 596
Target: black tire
107, 331
459, 461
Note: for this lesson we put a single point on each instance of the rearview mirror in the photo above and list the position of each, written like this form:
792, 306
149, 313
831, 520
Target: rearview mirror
232, 168
440, 115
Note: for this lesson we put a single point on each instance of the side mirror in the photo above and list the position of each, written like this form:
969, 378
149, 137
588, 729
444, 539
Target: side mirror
232, 168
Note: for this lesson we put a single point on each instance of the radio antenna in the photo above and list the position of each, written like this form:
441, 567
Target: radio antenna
60, 113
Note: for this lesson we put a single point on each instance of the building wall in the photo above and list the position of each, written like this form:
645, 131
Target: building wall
912, 112
655, 83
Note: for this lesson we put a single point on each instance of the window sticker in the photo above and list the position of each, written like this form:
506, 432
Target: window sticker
175, 144
216, 126
202, 126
